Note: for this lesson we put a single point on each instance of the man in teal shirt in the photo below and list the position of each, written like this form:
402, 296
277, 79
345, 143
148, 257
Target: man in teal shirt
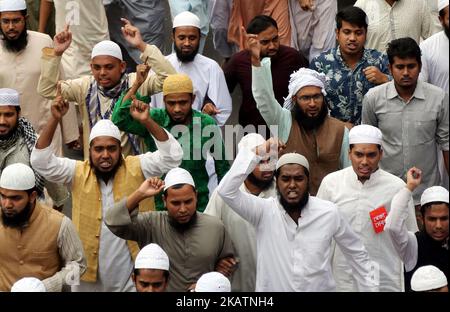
197, 133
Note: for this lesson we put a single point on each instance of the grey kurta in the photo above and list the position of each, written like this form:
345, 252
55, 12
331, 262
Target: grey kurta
192, 252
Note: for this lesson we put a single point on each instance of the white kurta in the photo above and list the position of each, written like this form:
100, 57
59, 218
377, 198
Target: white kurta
208, 79
21, 71
355, 200
114, 260
293, 257
243, 237
411, 18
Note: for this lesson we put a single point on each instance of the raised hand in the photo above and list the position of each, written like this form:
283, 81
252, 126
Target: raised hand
151, 187
59, 106
374, 75
132, 35
306, 5
413, 178
62, 41
141, 74
270, 147
210, 109
253, 46
139, 110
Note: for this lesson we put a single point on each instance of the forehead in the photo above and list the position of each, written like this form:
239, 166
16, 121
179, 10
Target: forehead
268, 33
11, 14
349, 26
290, 170
178, 97
104, 141
185, 192
308, 90
404, 61
437, 210
150, 275
11, 193
365, 148
103, 60
187, 31
7, 109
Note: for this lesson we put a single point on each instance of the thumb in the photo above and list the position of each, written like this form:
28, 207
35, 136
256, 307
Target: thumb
243, 31
58, 89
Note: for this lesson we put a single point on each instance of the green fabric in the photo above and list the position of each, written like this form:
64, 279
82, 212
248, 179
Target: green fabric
189, 141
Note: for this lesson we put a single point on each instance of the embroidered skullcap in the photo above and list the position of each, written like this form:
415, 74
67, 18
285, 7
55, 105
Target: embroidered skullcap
177, 83
12, 5
213, 282
9, 97
428, 277
28, 284
18, 177
152, 257
104, 127
304, 77
292, 158
178, 176
186, 18
434, 194
107, 47
442, 4
365, 134
250, 141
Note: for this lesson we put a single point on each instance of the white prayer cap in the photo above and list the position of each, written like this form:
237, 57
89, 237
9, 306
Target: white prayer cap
186, 18
213, 282
434, 194
104, 127
250, 141
107, 47
9, 97
304, 77
12, 5
152, 257
18, 177
178, 176
442, 4
28, 284
292, 158
428, 277
365, 134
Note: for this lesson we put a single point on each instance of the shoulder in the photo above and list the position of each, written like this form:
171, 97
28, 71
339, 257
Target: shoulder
333, 177
378, 90
322, 207
336, 122
39, 36
205, 118
55, 215
212, 222
239, 57
391, 179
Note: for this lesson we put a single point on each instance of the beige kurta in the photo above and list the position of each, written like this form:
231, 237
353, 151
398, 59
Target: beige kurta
76, 90
21, 71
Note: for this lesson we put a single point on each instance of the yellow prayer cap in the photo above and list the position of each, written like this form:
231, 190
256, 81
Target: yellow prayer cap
178, 83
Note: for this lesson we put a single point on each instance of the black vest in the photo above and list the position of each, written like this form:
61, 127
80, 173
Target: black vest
430, 252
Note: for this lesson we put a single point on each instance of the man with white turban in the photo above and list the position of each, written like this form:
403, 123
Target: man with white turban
363, 194
98, 93
260, 182
35, 240
294, 231
429, 278
95, 184
429, 246
151, 269
303, 123
196, 243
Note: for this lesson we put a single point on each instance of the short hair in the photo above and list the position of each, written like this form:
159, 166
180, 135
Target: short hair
138, 271
404, 48
353, 15
428, 205
17, 109
260, 23
30, 191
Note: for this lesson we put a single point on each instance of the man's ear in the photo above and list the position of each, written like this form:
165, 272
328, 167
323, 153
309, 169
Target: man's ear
33, 197
123, 67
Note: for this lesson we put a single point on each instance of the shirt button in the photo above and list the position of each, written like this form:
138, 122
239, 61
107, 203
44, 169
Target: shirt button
95, 253
19, 246
99, 219
97, 236
21, 261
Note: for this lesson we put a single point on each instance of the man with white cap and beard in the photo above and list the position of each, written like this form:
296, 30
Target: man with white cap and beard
363, 194
303, 123
196, 243
429, 246
95, 184
35, 241
98, 93
210, 88
260, 182
151, 269
294, 231
429, 278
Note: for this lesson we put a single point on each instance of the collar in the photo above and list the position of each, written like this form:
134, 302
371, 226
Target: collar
183, 227
392, 93
374, 176
338, 56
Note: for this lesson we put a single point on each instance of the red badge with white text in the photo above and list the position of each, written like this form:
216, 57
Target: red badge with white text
378, 217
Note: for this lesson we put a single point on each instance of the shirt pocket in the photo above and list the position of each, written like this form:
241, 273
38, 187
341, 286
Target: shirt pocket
423, 130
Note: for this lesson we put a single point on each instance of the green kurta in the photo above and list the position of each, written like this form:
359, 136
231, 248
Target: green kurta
196, 139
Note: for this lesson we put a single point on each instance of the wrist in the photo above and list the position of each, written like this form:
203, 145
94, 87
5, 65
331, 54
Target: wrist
141, 46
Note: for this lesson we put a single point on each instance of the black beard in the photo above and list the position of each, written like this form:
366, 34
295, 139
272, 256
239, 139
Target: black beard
447, 32
9, 134
106, 176
261, 184
18, 44
19, 220
185, 58
295, 207
310, 123
181, 227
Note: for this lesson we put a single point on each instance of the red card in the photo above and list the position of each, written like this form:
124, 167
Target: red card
378, 217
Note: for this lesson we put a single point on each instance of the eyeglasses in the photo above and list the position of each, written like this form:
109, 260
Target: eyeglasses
307, 98
14, 21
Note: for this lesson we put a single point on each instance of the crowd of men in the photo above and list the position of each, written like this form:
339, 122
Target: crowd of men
334, 177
